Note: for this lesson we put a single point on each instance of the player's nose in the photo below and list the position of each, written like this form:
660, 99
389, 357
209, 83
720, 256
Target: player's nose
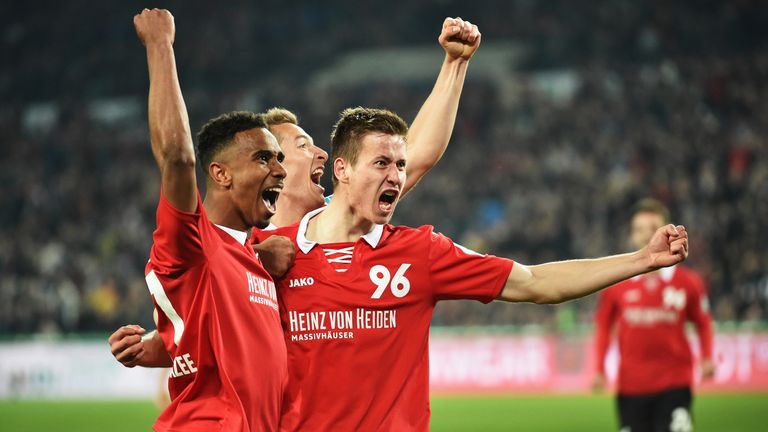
278, 170
394, 175
320, 154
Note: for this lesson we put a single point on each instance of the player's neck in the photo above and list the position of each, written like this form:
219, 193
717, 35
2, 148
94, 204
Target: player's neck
337, 224
290, 210
222, 212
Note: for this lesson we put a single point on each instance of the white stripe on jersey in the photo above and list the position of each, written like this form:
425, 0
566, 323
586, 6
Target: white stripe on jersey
157, 290
344, 255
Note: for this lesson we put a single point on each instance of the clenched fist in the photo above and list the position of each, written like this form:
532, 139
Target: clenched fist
668, 246
154, 26
459, 38
276, 254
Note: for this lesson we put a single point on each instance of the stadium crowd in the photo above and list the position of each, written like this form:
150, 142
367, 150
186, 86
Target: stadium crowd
656, 104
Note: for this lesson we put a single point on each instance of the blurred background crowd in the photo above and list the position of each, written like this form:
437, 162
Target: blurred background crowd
572, 112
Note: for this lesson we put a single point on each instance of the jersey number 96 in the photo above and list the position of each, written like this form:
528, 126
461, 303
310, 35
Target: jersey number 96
381, 277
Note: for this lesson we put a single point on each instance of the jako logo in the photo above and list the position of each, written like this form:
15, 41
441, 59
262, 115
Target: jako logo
307, 281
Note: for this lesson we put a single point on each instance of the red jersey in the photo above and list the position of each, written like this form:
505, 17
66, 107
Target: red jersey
357, 340
219, 321
650, 312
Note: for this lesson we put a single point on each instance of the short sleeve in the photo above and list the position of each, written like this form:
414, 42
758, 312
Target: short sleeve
460, 273
180, 236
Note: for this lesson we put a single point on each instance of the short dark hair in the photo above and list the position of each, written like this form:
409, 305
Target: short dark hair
219, 132
650, 205
354, 123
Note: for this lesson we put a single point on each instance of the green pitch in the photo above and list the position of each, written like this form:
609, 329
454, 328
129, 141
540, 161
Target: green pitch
540, 413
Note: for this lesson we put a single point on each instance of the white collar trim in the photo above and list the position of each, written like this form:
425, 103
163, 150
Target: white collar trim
240, 236
372, 238
667, 272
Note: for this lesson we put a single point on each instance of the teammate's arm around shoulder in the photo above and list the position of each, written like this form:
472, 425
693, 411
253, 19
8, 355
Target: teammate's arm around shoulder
168, 120
566, 280
431, 130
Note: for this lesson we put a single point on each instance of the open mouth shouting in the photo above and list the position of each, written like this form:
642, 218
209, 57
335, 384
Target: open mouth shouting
269, 196
387, 200
315, 177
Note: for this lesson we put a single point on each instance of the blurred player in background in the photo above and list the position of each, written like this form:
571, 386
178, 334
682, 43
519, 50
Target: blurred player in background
217, 304
356, 306
649, 313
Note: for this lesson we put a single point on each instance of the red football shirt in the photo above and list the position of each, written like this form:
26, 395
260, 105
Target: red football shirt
219, 320
358, 354
650, 312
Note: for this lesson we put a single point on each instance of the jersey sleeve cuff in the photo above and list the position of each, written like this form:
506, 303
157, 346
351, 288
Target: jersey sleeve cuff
502, 279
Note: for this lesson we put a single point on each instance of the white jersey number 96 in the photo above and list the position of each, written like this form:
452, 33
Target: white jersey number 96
381, 277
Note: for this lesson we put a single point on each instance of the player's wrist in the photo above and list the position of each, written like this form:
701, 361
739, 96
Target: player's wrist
455, 61
158, 44
642, 261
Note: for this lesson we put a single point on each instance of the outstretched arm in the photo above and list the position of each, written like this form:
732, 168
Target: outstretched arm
168, 120
431, 129
566, 280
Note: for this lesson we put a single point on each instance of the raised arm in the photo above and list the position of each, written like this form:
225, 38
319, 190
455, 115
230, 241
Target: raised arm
431, 129
566, 280
168, 120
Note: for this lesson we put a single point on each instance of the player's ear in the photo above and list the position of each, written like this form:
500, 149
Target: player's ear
341, 170
220, 174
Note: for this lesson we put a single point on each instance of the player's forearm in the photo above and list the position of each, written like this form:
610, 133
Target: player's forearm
431, 130
168, 119
566, 280
155, 354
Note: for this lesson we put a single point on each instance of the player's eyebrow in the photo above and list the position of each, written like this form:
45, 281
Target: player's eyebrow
268, 153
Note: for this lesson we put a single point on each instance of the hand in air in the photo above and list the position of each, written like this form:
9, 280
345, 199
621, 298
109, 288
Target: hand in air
668, 246
460, 39
155, 25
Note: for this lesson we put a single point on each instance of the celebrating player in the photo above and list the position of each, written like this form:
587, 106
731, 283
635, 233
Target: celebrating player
218, 304
357, 304
428, 139
650, 311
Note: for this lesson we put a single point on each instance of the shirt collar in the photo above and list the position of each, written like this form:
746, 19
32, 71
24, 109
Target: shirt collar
372, 238
666, 273
240, 236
